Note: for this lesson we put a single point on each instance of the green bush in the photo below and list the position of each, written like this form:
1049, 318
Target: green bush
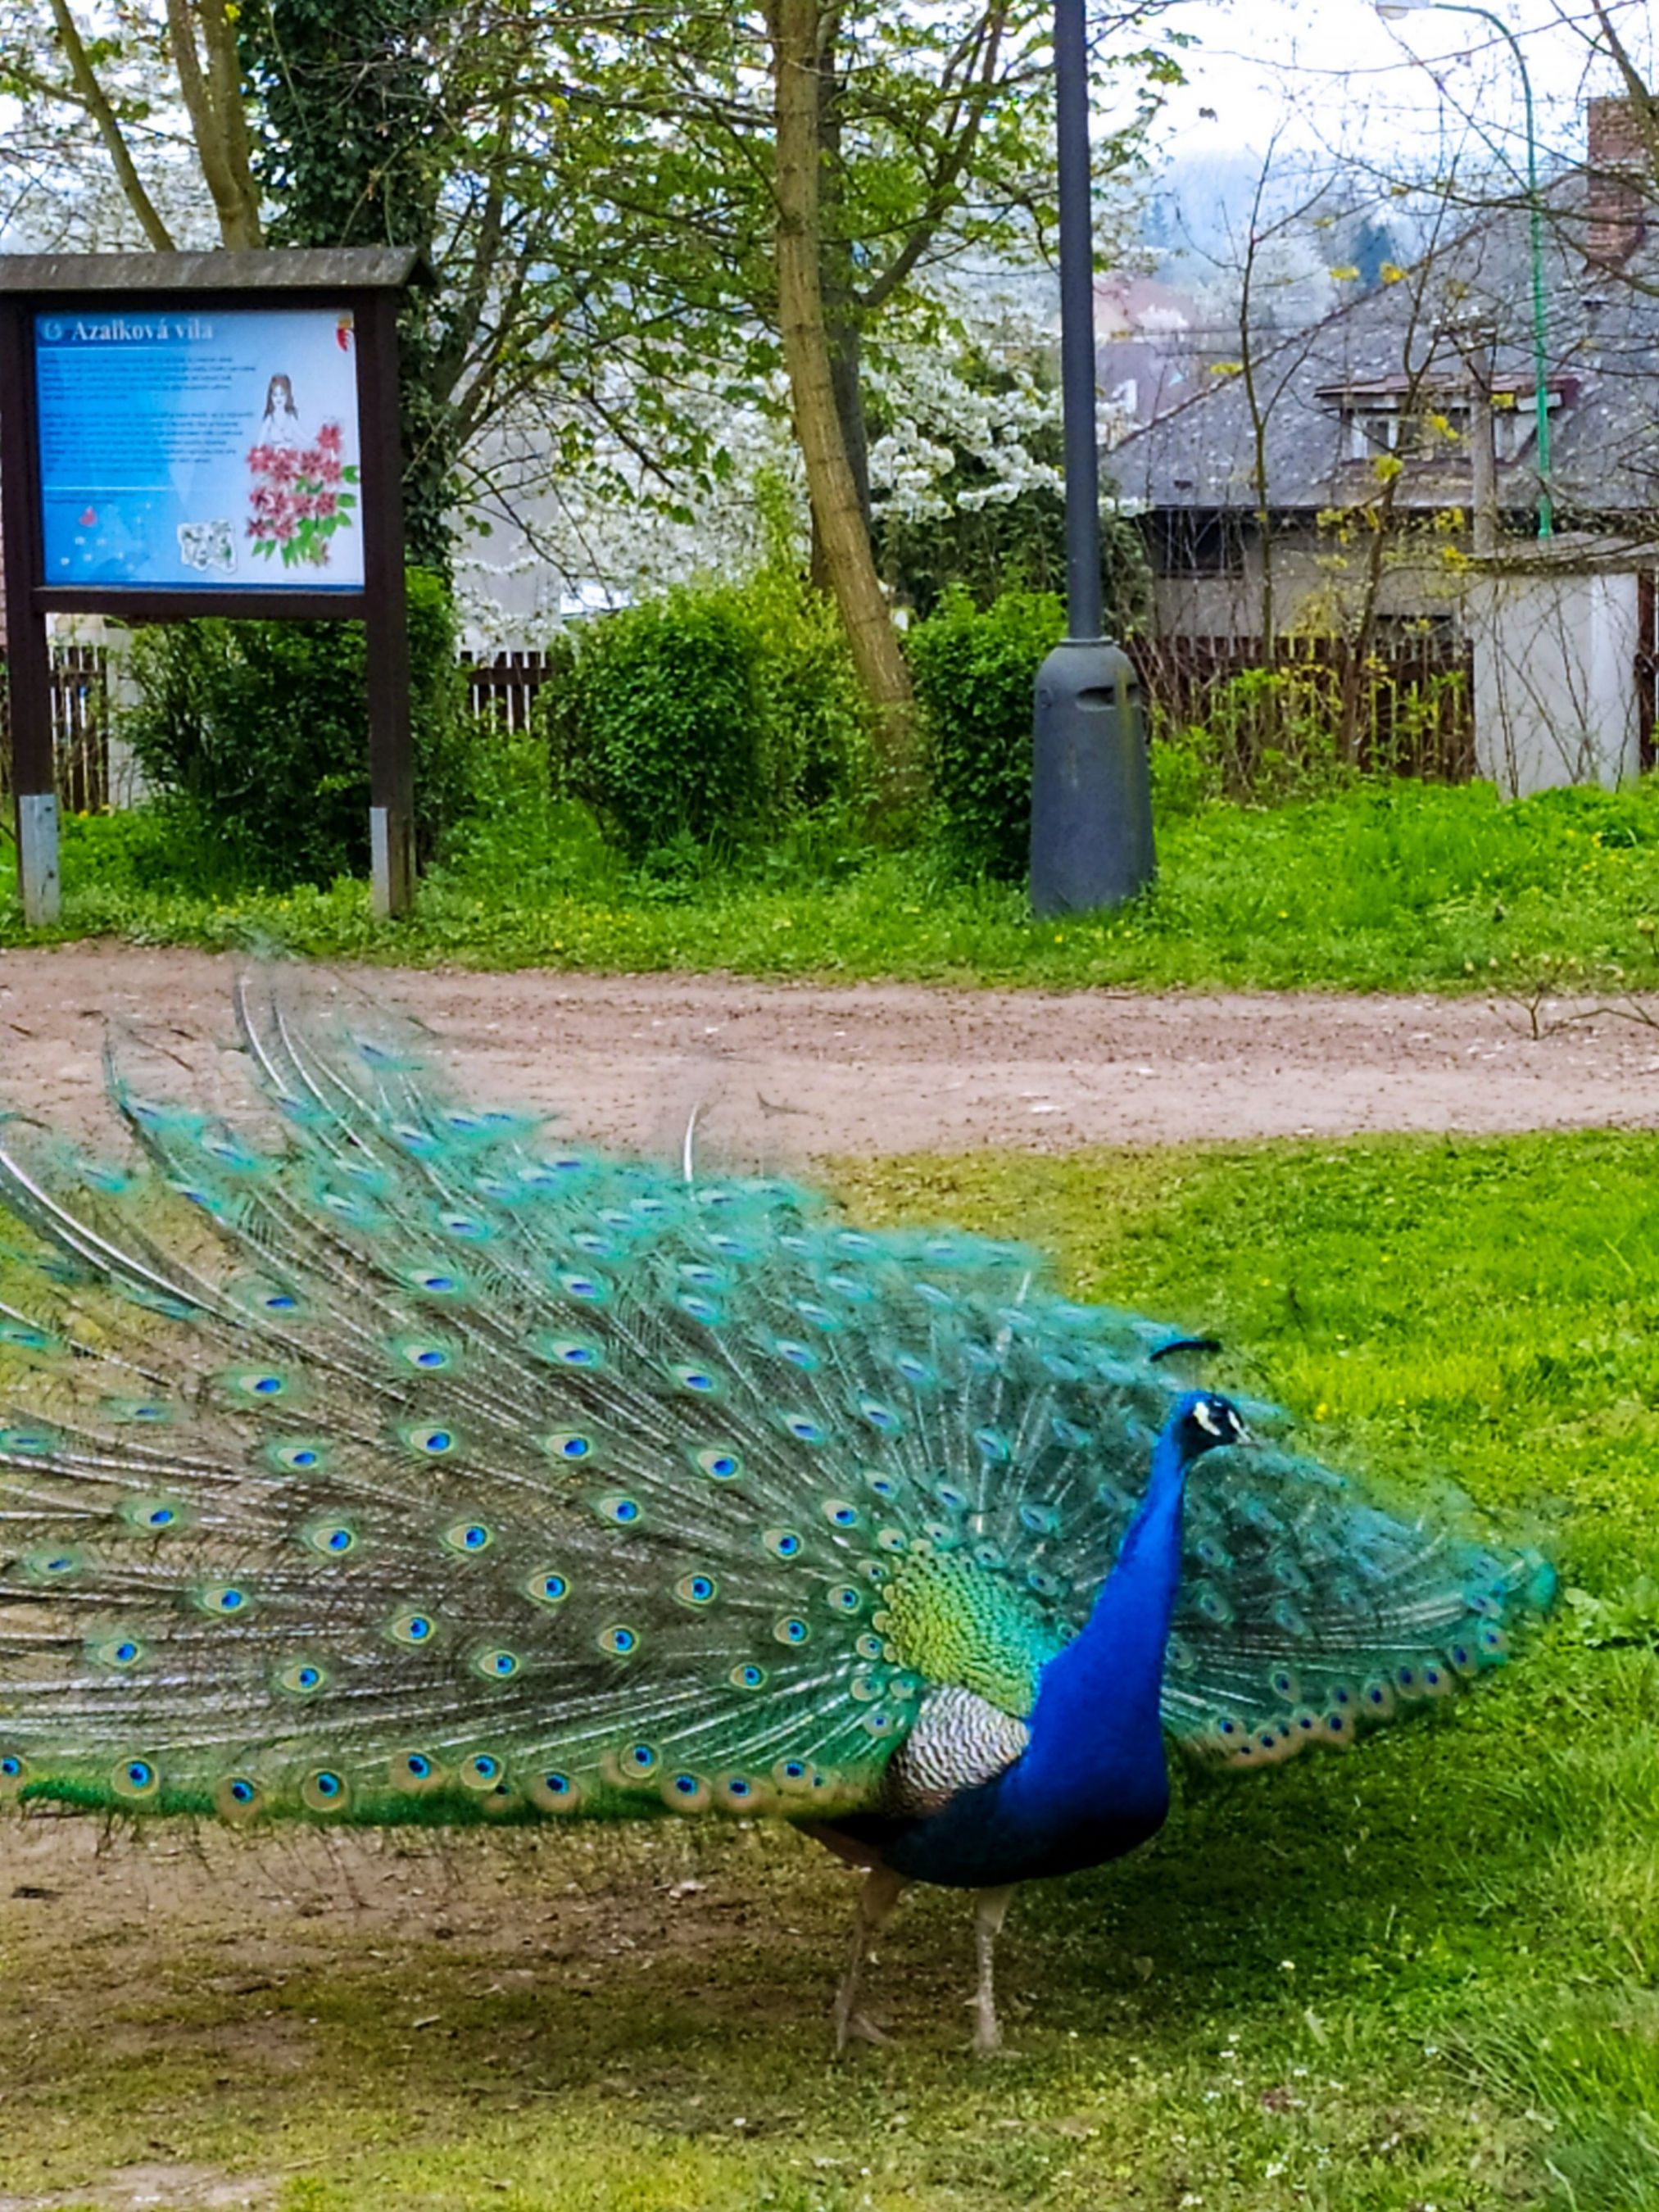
444, 735
519, 832
975, 676
717, 715
821, 742
255, 736
655, 718
1270, 735
1266, 735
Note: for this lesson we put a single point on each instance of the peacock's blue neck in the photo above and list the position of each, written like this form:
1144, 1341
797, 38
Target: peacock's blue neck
1097, 1744
1091, 1782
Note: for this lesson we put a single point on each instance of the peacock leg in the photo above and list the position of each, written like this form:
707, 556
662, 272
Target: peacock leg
990, 1911
880, 1893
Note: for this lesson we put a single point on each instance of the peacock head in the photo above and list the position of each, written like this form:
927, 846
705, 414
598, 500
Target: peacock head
1201, 1421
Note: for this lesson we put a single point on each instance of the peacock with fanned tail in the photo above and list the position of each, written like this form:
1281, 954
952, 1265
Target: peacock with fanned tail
381, 1459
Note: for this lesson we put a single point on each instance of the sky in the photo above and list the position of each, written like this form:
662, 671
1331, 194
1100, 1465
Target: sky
1333, 76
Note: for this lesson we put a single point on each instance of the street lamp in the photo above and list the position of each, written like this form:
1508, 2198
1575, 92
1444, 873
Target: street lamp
1091, 808
1391, 12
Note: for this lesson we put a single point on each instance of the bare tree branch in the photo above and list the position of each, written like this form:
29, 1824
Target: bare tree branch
96, 102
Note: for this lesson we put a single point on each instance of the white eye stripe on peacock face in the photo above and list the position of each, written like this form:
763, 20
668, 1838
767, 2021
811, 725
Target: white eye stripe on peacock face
1209, 1422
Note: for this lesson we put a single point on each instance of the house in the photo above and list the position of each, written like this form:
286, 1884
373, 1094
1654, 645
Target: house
1331, 484
1148, 349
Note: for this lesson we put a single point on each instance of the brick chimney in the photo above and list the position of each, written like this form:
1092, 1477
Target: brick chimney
1619, 180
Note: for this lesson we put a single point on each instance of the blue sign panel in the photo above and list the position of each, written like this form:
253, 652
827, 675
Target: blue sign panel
210, 447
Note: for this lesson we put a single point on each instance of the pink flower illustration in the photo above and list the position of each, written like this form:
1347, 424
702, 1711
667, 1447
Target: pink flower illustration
299, 499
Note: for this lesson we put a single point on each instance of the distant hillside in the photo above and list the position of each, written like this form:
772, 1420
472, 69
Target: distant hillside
1199, 203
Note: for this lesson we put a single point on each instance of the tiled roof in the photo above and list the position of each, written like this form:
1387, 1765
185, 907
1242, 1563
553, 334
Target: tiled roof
1603, 356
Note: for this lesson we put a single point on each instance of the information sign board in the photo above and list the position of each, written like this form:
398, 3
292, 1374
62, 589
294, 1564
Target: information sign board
201, 446
197, 433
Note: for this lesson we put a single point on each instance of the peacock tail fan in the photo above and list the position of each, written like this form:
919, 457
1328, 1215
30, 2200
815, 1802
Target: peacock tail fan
368, 1456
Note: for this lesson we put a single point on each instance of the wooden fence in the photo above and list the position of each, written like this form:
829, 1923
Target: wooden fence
80, 728
505, 687
1407, 708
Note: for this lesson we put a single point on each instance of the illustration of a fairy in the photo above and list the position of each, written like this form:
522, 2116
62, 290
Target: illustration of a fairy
280, 424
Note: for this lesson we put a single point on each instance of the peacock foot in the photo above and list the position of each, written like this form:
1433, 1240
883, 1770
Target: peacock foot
879, 1895
857, 2027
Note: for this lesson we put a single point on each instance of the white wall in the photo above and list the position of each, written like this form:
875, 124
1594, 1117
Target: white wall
1554, 674
1318, 586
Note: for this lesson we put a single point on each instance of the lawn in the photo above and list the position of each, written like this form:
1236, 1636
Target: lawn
1421, 1975
1382, 887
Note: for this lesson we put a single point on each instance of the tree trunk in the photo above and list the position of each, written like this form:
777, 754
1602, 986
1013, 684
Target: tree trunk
1361, 641
213, 101
845, 373
1253, 400
841, 307
837, 514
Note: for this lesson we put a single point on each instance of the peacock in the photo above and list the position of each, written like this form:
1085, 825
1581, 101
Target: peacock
372, 1457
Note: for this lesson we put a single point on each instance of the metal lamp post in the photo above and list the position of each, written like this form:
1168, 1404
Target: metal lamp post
1391, 12
1092, 811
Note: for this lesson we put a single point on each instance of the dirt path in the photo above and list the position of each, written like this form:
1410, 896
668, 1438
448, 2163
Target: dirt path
794, 1071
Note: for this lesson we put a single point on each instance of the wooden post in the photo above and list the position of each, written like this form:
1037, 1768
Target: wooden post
29, 657
1483, 456
390, 767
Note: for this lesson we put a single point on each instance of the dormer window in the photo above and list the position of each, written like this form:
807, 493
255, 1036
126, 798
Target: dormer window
1414, 431
1414, 421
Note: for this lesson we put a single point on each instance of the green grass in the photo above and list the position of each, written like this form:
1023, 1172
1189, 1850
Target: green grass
1423, 1974
1384, 887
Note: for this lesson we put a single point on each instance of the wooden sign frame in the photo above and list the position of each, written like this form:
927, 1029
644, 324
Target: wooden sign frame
365, 281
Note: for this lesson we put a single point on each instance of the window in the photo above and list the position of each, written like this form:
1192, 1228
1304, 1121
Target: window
1196, 542
1431, 422
1429, 428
